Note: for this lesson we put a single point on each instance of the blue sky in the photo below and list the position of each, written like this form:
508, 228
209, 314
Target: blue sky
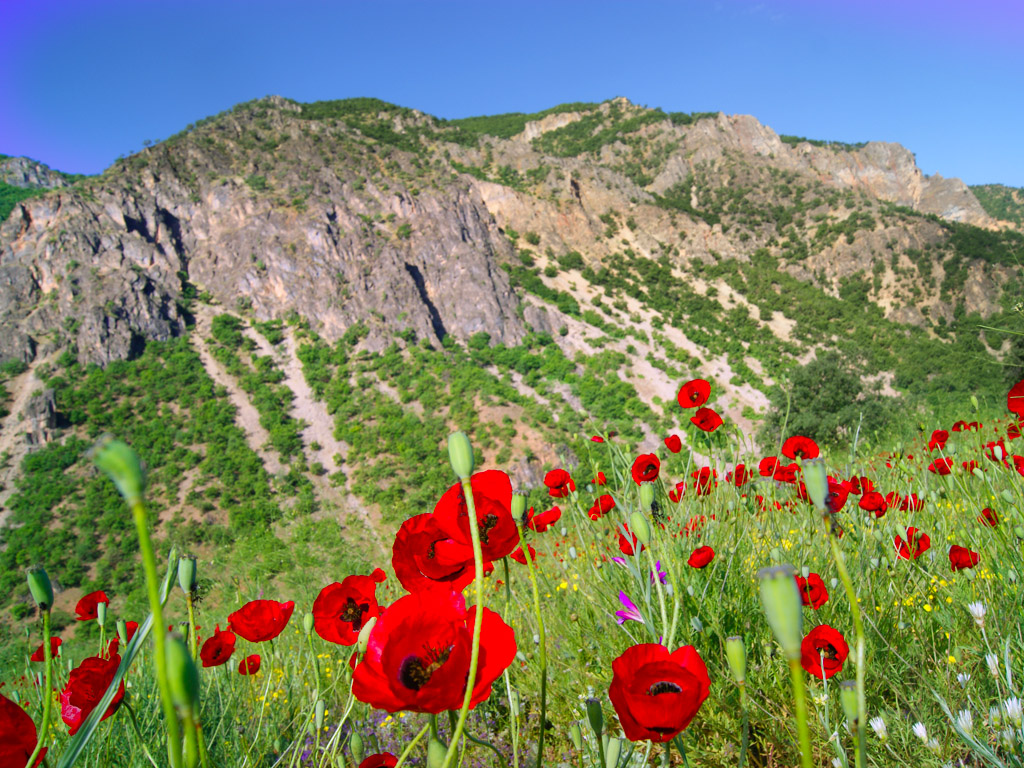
84, 81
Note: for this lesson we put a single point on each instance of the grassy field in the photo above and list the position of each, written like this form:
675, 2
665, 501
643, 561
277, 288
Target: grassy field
938, 617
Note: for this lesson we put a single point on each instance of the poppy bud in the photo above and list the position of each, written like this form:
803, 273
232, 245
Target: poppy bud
122, 631
355, 744
816, 481
968, 573
1018, 531
951, 448
595, 716
576, 735
879, 536
572, 552
278, 745
736, 655
436, 752
364, 635
646, 495
640, 527
513, 703
40, 587
518, 506
460, 453
805, 571
1007, 496
187, 574
848, 698
978, 472
307, 624
122, 466
611, 752
782, 604
182, 675
101, 613
1012, 576
974, 402
318, 714
775, 554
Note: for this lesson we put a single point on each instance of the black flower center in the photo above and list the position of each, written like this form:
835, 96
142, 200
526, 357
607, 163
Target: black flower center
415, 672
663, 687
353, 612
487, 522
830, 652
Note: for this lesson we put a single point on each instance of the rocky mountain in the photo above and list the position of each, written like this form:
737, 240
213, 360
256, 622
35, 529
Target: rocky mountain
352, 279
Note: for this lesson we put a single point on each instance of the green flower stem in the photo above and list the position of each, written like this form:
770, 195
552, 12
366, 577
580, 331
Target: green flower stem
858, 628
138, 734
204, 755
666, 630
745, 738
159, 635
193, 642
44, 727
513, 724
543, 648
478, 620
796, 675
190, 754
316, 664
412, 745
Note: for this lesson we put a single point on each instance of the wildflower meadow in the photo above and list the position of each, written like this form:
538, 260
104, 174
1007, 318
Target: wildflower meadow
704, 604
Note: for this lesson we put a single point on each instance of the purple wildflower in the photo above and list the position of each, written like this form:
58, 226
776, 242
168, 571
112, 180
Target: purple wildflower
662, 575
632, 613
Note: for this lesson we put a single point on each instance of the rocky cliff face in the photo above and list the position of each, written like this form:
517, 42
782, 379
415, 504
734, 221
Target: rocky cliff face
386, 217
25, 173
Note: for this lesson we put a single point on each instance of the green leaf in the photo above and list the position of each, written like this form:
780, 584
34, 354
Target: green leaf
81, 739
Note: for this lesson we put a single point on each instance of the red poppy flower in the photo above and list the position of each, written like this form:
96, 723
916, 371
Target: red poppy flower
559, 483
492, 495
962, 557
645, 468
695, 524
995, 450
694, 394
812, 591
423, 554
340, 610
86, 608
677, 494
941, 466
988, 517
800, 447
597, 439
540, 523
17, 736
380, 760
673, 443
418, 654
40, 652
520, 558
785, 473
1015, 399
873, 501
602, 506
970, 466
939, 438
261, 620
1018, 464
1013, 432
628, 546
739, 476
706, 420
250, 665
130, 628
218, 648
836, 497
600, 479
823, 652
917, 544
767, 466
912, 503
960, 426
701, 557
87, 684
704, 480
656, 693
